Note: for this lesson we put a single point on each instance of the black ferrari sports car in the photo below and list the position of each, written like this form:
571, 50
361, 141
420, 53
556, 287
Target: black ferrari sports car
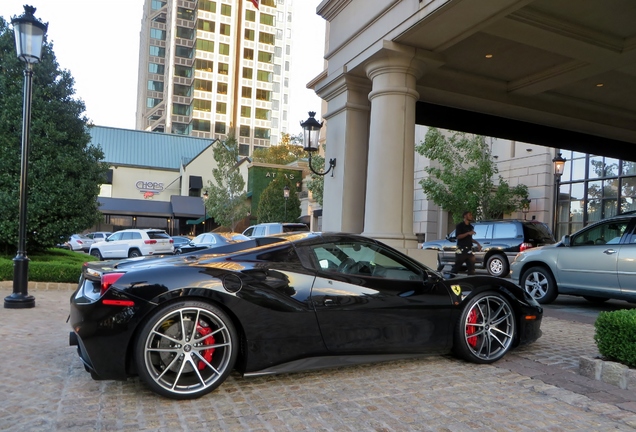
281, 304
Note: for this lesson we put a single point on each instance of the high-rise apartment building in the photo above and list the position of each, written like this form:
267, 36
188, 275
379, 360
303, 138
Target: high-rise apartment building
211, 68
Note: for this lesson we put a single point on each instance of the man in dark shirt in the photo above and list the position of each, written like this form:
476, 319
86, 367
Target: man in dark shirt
464, 233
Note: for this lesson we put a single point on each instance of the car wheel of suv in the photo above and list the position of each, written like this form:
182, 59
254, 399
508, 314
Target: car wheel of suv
96, 254
539, 283
497, 265
133, 253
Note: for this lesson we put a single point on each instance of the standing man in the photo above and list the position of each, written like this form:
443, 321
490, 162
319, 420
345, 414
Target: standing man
464, 233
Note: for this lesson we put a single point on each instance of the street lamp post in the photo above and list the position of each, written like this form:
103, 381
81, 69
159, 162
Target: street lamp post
205, 210
29, 37
559, 165
286, 196
525, 207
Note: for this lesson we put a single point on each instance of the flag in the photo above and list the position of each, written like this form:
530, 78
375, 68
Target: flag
255, 2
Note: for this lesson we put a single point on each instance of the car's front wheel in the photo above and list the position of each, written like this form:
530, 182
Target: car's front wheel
186, 349
96, 254
497, 265
486, 329
540, 284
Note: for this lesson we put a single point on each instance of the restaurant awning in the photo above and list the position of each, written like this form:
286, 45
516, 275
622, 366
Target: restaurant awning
133, 207
187, 206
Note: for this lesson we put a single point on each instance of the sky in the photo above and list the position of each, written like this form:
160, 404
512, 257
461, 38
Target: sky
98, 42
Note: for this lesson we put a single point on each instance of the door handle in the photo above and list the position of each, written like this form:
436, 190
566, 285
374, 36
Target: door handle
609, 251
329, 302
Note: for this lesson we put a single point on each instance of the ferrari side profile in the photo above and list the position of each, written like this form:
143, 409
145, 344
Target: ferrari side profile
293, 302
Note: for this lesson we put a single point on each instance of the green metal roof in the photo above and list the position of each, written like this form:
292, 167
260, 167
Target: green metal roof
147, 149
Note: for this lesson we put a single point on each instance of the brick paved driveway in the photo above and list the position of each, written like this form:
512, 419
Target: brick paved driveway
44, 388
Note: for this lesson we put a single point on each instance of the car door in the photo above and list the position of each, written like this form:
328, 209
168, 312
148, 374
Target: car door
370, 299
483, 233
108, 248
626, 267
590, 263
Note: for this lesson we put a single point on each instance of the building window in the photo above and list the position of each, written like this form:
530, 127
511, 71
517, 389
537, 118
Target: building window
278, 52
156, 68
182, 90
286, 82
202, 105
207, 5
246, 111
263, 95
246, 92
270, 3
223, 68
248, 54
203, 85
224, 29
266, 38
224, 49
247, 73
250, 15
221, 108
181, 129
221, 88
185, 14
183, 71
226, 10
244, 149
249, 34
287, 66
205, 25
201, 125
157, 34
204, 65
184, 52
267, 19
262, 114
244, 131
205, 45
153, 102
185, 33
264, 76
180, 109
261, 133
265, 57
279, 34
156, 4
288, 49
155, 86
219, 128
157, 51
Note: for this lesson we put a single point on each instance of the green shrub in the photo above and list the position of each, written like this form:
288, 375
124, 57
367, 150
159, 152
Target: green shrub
55, 265
615, 336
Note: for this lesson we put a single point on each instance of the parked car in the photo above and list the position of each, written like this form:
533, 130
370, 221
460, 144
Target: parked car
210, 240
133, 243
501, 241
284, 303
271, 228
596, 262
180, 241
79, 242
98, 236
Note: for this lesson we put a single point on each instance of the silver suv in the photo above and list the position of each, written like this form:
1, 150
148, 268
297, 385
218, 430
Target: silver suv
272, 228
133, 243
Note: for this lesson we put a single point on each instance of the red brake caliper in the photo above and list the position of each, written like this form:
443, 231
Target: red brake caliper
207, 354
471, 328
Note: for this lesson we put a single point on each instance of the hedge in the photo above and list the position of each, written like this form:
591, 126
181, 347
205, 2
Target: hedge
56, 265
615, 336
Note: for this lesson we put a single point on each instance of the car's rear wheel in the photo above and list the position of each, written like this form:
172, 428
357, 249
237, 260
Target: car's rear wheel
96, 254
540, 284
497, 265
486, 329
186, 349
133, 253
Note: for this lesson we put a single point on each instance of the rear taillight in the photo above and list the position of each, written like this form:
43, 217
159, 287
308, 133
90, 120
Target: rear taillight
108, 279
525, 246
79, 241
171, 241
150, 241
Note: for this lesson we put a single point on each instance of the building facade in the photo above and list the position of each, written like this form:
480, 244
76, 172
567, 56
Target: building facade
212, 68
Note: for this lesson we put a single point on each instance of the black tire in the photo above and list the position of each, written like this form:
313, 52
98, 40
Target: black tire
96, 254
171, 365
134, 253
540, 284
596, 300
497, 265
486, 329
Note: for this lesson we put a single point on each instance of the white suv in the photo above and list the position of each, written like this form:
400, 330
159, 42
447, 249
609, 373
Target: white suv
133, 243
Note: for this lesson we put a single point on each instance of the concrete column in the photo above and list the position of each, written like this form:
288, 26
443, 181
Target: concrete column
389, 192
347, 127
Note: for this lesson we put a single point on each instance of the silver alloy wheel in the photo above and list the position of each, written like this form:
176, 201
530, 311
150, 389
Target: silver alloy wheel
495, 266
489, 327
537, 285
188, 350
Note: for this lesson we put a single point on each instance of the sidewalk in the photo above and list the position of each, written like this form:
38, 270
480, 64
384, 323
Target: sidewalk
537, 388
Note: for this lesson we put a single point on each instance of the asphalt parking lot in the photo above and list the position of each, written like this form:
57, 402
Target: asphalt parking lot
45, 388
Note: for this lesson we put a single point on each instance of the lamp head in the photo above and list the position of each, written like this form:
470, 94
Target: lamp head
29, 35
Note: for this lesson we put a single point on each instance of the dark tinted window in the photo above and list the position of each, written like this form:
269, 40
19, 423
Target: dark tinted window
295, 228
537, 231
157, 235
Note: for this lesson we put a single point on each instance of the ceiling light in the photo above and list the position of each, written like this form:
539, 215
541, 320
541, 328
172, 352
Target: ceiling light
488, 56
599, 85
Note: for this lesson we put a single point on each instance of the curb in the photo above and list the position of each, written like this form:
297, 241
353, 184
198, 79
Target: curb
609, 372
41, 286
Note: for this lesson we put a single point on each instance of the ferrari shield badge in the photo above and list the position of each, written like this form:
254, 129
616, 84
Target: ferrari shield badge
456, 289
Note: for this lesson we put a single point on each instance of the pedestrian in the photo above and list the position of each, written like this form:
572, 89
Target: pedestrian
464, 232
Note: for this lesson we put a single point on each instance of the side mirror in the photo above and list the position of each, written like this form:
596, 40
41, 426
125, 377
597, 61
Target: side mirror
565, 240
451, 238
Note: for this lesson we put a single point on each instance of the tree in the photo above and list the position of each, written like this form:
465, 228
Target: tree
463, 177
227, 200
281, 154
272, 206
64, 170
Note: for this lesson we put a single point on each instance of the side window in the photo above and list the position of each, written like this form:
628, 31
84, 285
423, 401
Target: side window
127, 236
116, 236
482, 231
259, 231
607, 233
505, 230
275, 229
249, 231
136, 236
363, 259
